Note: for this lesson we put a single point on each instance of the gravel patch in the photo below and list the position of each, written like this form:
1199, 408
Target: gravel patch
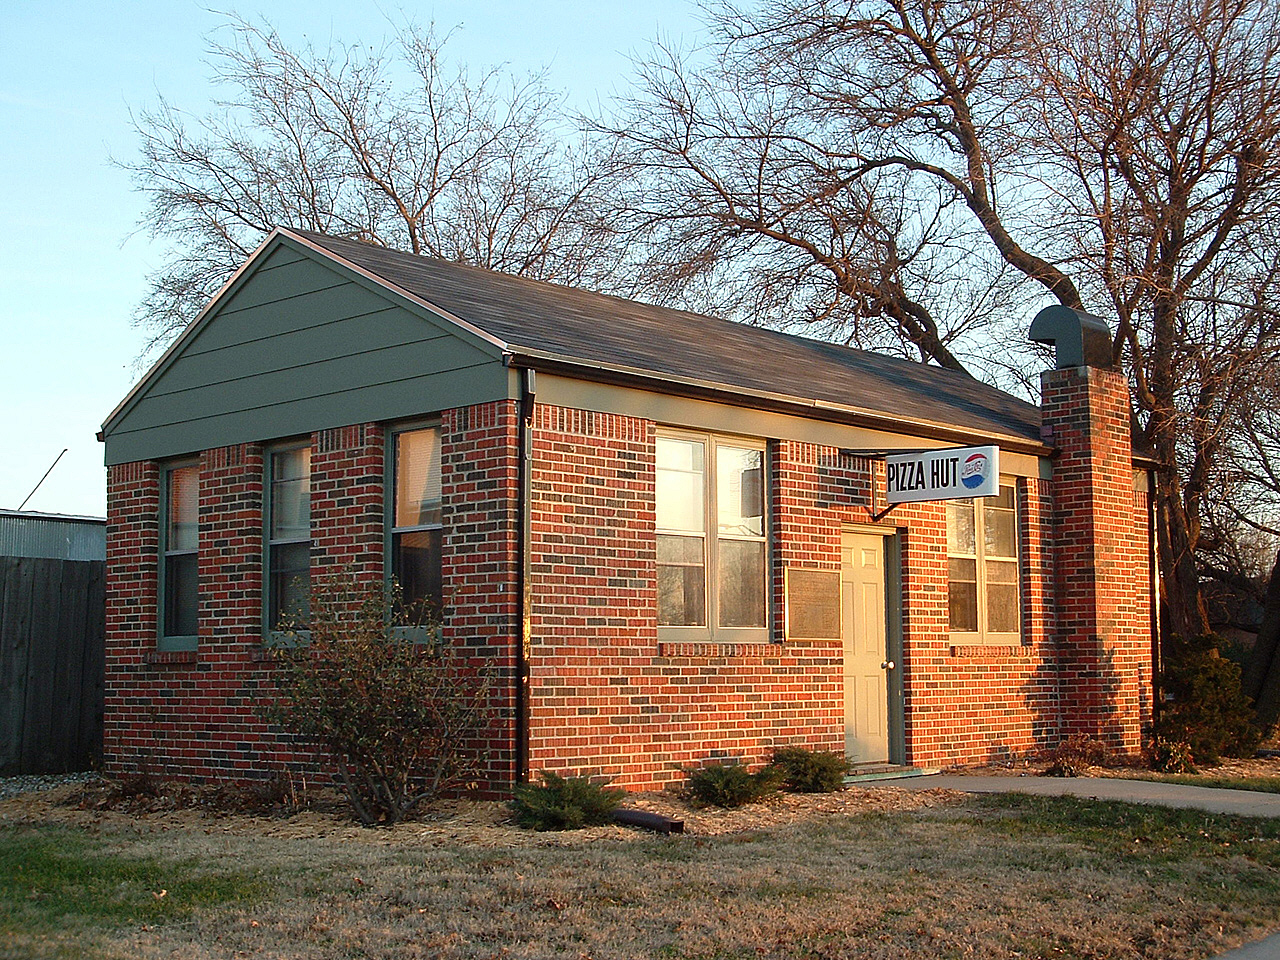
12, 786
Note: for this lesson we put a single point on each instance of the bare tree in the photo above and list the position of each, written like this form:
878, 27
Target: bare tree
1240, 527
1119, 154
388, 145
1163, 124
757, 197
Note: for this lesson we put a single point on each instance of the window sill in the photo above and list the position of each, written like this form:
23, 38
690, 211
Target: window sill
991, 651
170, 658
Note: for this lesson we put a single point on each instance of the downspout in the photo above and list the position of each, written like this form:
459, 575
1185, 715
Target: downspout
528, 391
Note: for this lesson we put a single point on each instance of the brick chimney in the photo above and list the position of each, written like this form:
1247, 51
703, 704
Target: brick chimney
1103, 626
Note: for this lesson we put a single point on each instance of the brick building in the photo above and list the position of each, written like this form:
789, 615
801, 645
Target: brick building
669, 534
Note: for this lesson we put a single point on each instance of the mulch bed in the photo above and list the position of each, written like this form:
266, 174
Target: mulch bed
279, 809
263, 810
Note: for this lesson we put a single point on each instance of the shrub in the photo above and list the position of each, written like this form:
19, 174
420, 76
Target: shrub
401, 713
811, 771
1075, 755
1170, 756
730, 785
1208, 710
565, 803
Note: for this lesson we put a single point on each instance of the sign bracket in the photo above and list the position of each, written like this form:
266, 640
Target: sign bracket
877, 517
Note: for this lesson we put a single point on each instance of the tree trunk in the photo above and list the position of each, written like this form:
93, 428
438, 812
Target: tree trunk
1261, 680
1184, 604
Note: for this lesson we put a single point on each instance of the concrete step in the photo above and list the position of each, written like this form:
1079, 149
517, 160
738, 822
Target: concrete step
866, 772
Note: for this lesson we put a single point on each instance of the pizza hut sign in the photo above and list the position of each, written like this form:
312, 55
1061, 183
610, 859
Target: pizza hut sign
943, 474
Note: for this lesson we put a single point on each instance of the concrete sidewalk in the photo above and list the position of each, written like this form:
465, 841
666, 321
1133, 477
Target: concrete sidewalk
1268, 949
1243, 803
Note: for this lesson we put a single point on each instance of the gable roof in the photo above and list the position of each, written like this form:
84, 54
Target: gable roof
556, 327
314, 331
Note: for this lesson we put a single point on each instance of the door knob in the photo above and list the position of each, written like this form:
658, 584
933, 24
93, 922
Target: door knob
887, 665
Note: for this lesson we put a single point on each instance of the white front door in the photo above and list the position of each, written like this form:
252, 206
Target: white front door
866, 683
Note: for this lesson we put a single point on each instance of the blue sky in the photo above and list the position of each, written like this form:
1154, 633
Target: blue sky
72, 265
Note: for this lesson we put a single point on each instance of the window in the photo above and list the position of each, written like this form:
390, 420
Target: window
179, 569
983, 582
289, 536
711, 535
416, 530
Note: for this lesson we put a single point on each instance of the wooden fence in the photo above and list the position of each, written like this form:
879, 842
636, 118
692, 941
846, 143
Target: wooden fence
51, 664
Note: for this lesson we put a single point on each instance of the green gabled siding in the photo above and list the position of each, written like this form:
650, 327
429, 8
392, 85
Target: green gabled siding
244, 324
299, 345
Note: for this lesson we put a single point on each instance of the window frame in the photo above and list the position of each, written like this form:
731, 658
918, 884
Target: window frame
269, 453
389, 504
983, 636
712, 631
165, 642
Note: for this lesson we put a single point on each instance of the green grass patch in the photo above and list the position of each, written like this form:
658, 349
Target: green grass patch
55, 880
1158, 834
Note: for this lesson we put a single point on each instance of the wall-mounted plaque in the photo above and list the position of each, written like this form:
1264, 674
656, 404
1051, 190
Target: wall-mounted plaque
812, 600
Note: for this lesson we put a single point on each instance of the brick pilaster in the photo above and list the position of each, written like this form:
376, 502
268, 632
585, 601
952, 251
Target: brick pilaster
1103, 627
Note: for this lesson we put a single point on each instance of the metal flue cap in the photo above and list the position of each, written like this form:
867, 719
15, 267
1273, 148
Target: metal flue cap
1079, 339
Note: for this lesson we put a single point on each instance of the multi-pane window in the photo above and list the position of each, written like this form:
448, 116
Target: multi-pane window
711, 534
416, 530
982, 549
289, 537
179, 547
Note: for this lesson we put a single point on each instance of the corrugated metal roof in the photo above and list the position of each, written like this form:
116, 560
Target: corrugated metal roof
52, 535
588, 329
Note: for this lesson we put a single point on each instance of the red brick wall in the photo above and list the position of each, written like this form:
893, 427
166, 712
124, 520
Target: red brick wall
193, 714
962, 704
970, 703
605, 694
133, 506
1100, 525
347, 475
479, 493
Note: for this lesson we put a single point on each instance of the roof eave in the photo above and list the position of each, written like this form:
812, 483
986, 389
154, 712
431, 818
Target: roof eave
764, 400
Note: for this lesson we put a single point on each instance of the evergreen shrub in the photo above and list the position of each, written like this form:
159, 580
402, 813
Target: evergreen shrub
565, 803
731, 785
1208, 711
811, 771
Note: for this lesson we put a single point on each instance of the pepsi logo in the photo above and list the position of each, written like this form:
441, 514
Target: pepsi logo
974, 471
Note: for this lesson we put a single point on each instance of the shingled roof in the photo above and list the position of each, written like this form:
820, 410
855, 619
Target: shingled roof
575, 328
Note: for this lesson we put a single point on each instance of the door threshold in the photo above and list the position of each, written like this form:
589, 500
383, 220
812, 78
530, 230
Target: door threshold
864, 772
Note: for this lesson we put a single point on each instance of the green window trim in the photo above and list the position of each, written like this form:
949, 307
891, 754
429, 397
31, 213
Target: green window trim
414, 524
178, 571
286, 535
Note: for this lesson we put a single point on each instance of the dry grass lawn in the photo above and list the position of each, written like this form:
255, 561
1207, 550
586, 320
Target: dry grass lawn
870, 873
